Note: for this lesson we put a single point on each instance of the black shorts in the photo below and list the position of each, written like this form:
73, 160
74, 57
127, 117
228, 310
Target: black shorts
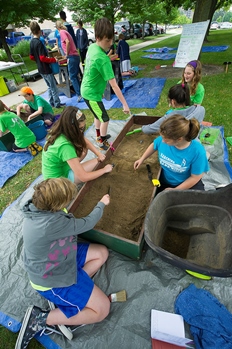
98, 110
45, 116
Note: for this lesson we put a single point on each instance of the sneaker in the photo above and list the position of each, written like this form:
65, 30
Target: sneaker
37, 146
98, 139
79, 99
60, 105
66, 331
104, 145
34, 322
32, 150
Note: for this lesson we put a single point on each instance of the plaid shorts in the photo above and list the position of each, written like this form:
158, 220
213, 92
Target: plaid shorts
72, 299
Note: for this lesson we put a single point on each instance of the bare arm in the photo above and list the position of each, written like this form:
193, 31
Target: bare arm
67, 46
19, 107
36, 113
119, 94
90, 146
84, 176
150, 150
188, 183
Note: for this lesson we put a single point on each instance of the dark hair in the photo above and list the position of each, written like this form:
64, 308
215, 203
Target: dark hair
63, 15
34, 27
121, 37
103, 28
80, 22
68, 125
180, 93
178, 126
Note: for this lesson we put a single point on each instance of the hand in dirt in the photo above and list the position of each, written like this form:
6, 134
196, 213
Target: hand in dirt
108, 168
137, 163
105, 199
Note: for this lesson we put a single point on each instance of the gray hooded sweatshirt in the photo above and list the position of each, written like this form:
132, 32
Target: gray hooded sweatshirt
50, 244
197, 112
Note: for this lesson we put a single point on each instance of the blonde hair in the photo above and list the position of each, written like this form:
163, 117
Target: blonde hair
177, 126
60, 25
54, 194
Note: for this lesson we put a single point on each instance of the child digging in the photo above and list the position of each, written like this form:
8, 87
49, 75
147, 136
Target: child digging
59, 267
24, 137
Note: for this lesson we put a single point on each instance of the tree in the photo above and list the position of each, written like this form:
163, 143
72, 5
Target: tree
20, 13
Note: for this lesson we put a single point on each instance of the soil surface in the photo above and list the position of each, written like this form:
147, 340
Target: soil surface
170, 72
130, 191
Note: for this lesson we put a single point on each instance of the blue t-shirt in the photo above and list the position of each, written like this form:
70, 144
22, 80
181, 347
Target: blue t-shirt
178, 164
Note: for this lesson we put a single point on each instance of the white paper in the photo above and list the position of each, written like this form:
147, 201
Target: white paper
168, 327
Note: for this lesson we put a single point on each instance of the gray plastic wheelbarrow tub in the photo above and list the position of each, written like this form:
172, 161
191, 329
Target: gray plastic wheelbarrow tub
202, 221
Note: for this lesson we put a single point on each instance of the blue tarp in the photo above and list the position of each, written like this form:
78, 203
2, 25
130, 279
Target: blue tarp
145, 93
161, 49
214, 48
161, 56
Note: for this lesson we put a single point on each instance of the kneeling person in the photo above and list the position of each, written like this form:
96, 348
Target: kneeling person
35, 105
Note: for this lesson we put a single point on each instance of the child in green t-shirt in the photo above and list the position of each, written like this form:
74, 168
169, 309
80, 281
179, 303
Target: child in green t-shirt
24, 137
98, 70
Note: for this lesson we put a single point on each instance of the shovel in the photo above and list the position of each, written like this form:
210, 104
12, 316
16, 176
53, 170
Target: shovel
137, 130
155, 182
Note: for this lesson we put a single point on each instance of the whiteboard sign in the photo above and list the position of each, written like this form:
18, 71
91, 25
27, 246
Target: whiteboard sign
190, 44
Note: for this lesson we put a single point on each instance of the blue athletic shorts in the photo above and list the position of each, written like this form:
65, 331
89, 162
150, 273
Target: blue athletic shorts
72, 299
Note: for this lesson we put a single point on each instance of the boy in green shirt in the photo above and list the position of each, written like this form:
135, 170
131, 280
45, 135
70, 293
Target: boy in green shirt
35, 105
98, 71
24, 137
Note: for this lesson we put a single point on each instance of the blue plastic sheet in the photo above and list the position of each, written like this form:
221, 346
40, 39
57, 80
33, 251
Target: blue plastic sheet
161, 49
161, 56
82, 105
145, 93
214, 48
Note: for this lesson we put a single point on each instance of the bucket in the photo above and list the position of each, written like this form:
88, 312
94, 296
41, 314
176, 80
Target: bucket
38, 128
55, 68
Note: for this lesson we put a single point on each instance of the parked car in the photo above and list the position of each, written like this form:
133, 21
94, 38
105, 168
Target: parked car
226, 25
138, 31
148, 29
120, 29
14, 37
46, 32
129, 27
91, 36
158, 30
214, 26
51, 39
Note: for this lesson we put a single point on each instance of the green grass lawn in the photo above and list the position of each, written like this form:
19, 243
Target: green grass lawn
216, 102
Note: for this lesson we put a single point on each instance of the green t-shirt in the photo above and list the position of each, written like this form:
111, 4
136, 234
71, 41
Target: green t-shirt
22, 134
199, 95
98, 70
40, 102
54, 160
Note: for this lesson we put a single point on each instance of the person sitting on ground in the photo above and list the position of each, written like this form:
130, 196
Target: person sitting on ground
24, 137
123, 52
98, 70
182, 158
192, 76
59, 267
179, 100
66, 147
35, 105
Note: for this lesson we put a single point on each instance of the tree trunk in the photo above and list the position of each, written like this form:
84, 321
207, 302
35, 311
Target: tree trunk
204, 10
4, 45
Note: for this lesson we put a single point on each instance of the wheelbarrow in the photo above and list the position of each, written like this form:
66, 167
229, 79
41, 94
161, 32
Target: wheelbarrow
192, 229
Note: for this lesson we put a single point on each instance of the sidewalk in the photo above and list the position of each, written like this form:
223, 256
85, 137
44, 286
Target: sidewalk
40, 86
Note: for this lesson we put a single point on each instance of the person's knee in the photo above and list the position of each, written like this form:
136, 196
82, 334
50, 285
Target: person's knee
103, 253
104, 310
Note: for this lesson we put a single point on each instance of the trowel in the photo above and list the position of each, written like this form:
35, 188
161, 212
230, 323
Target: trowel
155, 182
137, 130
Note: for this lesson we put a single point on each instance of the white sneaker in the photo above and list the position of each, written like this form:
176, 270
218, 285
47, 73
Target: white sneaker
67, 332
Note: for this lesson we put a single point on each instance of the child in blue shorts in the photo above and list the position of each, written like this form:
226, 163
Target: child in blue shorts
59, 267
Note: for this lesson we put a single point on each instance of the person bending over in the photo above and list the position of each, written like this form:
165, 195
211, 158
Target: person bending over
179, 101
35, 105
182, 158
66, 148
60, 268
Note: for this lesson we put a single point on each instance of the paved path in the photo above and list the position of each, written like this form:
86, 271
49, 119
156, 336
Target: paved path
40, 86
